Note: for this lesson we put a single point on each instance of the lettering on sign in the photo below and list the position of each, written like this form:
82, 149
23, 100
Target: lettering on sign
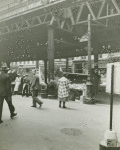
111, 143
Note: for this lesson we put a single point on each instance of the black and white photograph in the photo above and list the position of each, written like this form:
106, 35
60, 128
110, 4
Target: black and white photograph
59, 74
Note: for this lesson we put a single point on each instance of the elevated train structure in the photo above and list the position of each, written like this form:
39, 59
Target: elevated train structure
52, 29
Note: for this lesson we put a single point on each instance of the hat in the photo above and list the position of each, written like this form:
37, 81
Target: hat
4, 68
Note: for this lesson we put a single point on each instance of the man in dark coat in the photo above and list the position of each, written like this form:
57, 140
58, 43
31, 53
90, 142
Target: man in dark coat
35, 87
5, 93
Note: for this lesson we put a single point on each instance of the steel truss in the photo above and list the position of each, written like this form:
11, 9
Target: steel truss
103, 13
77, 13
45, 19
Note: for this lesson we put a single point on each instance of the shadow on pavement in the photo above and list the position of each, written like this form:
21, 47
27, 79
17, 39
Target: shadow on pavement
104, 98
67, 108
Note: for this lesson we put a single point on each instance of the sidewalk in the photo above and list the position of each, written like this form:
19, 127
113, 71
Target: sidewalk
42, 128
104, 98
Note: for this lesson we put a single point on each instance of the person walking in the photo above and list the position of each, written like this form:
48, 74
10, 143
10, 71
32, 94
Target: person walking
5, 93
17, 83
35, 87
63, 89
26, 82
21, 85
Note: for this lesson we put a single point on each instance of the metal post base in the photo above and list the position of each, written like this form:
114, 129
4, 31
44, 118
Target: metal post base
110, 141
101, 147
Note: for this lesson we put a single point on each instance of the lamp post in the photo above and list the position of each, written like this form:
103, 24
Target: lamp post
89, 99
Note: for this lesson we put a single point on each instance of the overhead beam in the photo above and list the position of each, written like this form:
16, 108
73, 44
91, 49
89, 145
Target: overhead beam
116, 6
91, 11
79, 13
101, 8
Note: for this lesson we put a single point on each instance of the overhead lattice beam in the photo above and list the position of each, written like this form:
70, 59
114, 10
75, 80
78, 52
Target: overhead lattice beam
91, 11
100, 12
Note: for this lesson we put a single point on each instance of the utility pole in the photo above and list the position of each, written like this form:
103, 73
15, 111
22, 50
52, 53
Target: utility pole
89, 99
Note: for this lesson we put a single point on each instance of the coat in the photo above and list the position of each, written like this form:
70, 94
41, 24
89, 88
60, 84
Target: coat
17, 83
35, 84
63, 87
3, 84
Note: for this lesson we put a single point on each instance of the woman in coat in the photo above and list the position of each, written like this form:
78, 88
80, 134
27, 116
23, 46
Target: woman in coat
17, 84
63, 90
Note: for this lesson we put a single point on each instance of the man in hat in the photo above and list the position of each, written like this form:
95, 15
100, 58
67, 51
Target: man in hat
4, 93
35, 87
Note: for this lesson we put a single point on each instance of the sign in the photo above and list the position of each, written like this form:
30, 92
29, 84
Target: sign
111, 143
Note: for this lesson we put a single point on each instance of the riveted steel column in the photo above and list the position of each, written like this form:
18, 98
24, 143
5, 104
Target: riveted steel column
89, 48
45, 70
8, 64
95, 50
50, 52
89, 84
96, 63
89, 96
67, 64
37, 64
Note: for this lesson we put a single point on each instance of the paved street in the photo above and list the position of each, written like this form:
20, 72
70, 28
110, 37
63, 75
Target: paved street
42, 128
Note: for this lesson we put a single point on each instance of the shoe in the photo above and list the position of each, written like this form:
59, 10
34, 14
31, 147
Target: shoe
33, 106
60, 106
40, 106
1, 121
64, 107
13, 115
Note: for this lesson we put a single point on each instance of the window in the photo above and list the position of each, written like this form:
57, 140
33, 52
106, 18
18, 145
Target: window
83, 57
78, 68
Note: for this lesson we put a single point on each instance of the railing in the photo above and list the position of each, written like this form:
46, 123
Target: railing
16, 8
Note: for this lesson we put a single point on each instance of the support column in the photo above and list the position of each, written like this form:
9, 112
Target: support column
96, 63
67, 64
37, 64
45, 70
8, 64
89, 99
95, 50
50, 52
96, 80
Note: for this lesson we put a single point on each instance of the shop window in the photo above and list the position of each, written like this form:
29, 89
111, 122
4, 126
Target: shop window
78, 68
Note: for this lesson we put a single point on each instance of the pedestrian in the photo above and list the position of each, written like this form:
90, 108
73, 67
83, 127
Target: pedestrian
5, 93
21, 85
14, 75
63, 89
17, 84
35, 88
26, 82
